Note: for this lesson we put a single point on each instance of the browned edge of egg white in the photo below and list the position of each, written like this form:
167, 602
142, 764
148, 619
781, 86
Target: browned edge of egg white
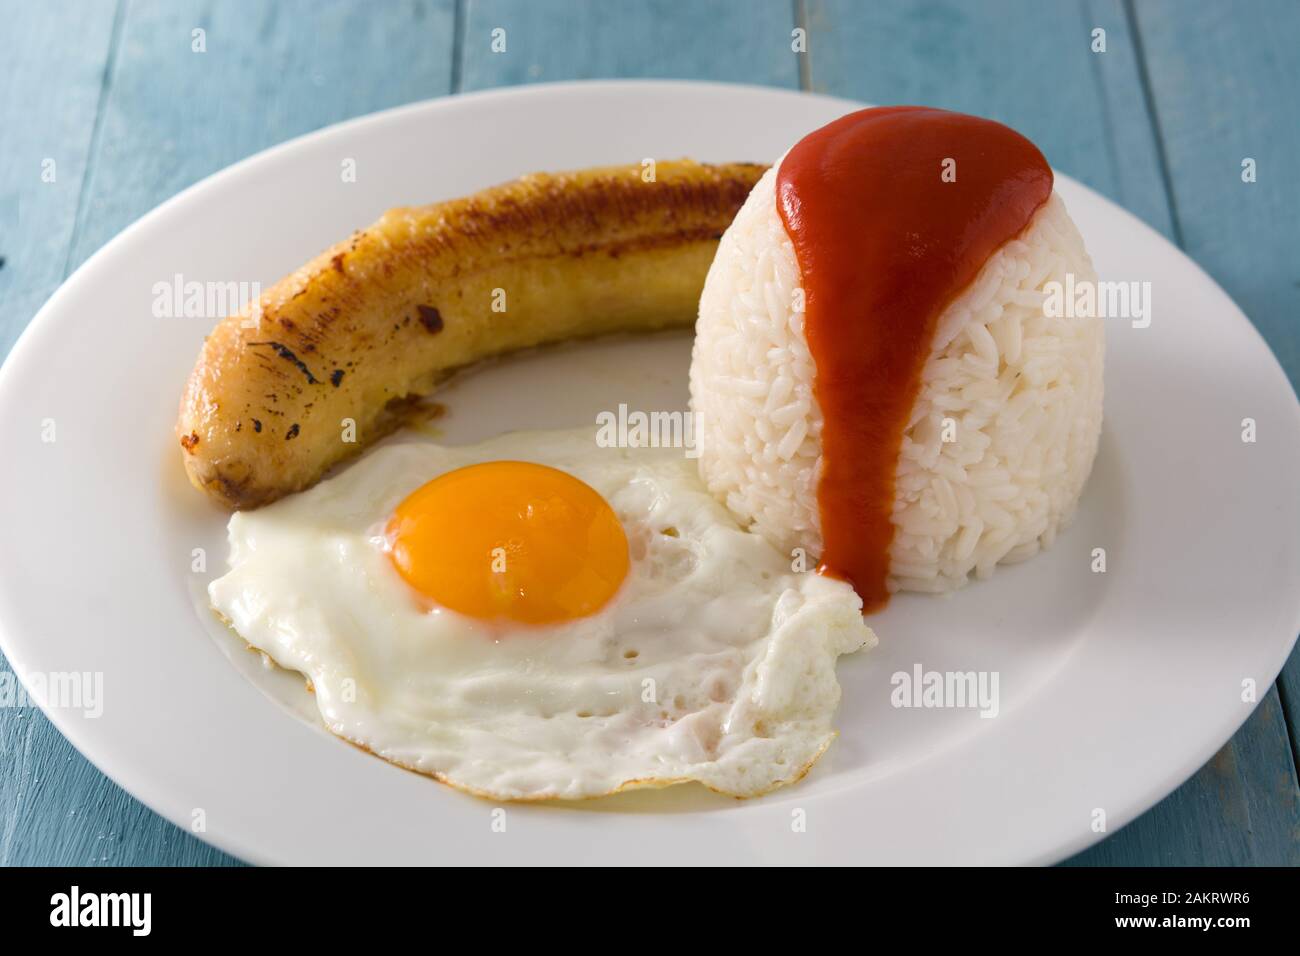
885, 242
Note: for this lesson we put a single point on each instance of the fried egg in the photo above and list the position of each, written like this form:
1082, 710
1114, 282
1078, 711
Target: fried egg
538, 617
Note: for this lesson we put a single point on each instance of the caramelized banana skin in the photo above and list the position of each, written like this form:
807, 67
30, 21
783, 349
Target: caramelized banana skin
376, 322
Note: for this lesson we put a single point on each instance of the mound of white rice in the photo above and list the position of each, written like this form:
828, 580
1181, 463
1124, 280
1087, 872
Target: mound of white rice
1023, 392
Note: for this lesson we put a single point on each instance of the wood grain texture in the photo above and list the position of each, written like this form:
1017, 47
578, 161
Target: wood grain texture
271, 71
548, 40
1226, 86
54, 58
113, 88
167, 117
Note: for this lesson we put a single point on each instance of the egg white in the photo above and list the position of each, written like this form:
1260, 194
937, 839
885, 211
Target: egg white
714, 662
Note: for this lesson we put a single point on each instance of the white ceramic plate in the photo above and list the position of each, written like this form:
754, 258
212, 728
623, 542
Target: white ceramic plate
1114, 687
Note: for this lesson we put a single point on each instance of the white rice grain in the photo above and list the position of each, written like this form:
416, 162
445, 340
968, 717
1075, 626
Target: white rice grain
1024, 389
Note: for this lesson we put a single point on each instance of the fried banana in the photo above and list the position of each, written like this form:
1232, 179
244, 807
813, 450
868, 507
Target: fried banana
372, 325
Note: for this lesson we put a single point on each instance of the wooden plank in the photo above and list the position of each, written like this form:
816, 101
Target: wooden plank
548, 40
1030, 65
44, 123
170, 116
1226, 85
271, 71
42, 120
1022, 62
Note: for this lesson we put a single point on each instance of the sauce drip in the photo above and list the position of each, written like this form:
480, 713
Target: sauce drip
884, 245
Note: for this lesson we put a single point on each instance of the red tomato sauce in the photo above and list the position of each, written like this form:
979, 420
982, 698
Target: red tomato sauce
892, 212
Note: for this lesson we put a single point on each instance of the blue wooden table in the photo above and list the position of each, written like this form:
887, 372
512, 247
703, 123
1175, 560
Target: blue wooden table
115, 99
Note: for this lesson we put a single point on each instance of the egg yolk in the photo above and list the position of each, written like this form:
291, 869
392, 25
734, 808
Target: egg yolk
510, 540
